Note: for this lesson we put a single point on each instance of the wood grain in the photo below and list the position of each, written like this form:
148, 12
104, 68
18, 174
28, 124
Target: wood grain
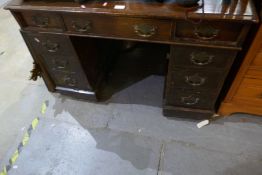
242, 10
245, 94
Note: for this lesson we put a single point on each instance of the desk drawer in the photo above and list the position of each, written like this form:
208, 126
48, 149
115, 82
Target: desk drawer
210, 32
200, 57
60, 60
71, 80
56, 51
42, 20
51, 44
122, 27
190, 98
196, 79
65, 79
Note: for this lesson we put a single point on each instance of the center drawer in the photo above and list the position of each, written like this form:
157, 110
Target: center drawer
117, 26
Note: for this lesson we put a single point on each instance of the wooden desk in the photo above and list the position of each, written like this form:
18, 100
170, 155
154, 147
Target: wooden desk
75, 45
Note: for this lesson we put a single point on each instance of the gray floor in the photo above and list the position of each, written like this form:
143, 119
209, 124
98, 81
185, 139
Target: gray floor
128, 135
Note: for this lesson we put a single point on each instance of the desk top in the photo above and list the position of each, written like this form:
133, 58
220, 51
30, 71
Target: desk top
242, 10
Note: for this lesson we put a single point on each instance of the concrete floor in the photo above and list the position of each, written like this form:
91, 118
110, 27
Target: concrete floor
127, 136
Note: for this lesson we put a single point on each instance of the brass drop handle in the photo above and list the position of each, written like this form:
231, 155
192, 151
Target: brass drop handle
81, 27
50, 46
41, 21
190, 100
201, 58
145, 30
60, 64
195, 80
70, 81
205, 32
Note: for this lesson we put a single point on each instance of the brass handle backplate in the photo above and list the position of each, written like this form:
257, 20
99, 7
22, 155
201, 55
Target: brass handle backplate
201, 58
50, 46
195, 80
205, 32
81, 27
190, 100
60, 64
145, 30
41, 21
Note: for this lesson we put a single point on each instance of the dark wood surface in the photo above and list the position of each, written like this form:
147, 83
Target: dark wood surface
93, 50
213, 9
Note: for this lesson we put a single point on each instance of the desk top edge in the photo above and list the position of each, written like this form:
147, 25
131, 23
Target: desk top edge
243, 10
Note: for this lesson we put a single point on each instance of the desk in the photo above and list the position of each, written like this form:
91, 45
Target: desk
76, 46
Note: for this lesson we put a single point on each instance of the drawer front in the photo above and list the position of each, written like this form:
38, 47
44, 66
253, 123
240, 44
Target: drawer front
190, 99
200, 57
61, 64
52, 44
210, 32
42, 20
196, 78
67, 79
123, 27
56, 51
250, 91
64, 68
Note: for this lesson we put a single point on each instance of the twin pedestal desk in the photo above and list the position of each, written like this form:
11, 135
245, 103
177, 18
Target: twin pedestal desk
79, 47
